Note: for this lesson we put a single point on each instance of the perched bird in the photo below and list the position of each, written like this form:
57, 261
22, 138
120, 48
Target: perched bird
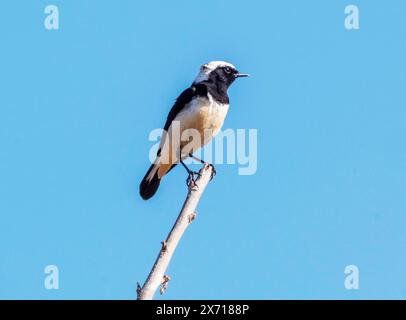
198, 114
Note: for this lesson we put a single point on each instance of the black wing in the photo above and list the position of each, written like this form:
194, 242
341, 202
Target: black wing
184, 98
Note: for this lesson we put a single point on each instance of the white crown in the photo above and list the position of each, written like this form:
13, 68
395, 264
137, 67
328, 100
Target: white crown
207, 68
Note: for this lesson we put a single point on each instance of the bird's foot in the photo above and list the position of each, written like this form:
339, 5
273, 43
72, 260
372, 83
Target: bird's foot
213, 170
191, 179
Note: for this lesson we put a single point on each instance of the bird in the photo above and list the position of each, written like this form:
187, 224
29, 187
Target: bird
198, 113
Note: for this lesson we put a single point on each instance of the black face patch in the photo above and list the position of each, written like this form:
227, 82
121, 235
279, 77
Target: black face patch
224, 76
219, 81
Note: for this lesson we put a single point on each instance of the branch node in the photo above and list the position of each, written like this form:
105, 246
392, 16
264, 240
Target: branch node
191, 217
192, 186
164, 284
164, 247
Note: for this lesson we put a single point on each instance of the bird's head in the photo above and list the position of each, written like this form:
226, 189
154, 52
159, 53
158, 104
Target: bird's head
218, 72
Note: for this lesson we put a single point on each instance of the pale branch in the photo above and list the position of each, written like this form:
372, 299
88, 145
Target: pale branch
157, 277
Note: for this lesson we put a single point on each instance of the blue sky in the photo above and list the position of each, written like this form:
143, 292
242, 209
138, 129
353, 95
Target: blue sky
76, 108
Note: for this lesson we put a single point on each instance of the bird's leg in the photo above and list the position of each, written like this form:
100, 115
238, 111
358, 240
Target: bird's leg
213, 172
191, 180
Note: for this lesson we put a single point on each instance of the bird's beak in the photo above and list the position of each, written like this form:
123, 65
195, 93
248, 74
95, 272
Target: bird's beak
241, 75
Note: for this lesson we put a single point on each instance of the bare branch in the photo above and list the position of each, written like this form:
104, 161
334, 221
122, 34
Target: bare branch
157, 277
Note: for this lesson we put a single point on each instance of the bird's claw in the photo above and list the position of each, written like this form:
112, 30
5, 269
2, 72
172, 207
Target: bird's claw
213, 171
191, 179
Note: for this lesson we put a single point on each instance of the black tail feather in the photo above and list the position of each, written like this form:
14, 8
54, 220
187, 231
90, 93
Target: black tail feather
149, 187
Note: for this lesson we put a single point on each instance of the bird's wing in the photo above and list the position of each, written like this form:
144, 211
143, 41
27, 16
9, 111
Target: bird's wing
180, 103
167, 160
184, 98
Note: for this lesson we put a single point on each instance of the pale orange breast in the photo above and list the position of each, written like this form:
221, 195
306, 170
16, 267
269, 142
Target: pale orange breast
204, 117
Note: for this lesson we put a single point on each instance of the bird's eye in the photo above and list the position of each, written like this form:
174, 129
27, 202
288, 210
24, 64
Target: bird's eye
227, 69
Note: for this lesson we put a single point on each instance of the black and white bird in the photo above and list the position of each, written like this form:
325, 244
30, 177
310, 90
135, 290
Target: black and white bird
200, 109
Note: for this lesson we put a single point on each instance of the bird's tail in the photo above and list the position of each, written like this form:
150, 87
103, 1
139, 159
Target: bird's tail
149, 185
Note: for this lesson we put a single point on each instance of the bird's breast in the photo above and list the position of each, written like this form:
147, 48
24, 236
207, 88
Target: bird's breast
204, 114
205, 117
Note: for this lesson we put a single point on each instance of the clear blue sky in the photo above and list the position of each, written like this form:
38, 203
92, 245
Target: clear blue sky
77, 105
